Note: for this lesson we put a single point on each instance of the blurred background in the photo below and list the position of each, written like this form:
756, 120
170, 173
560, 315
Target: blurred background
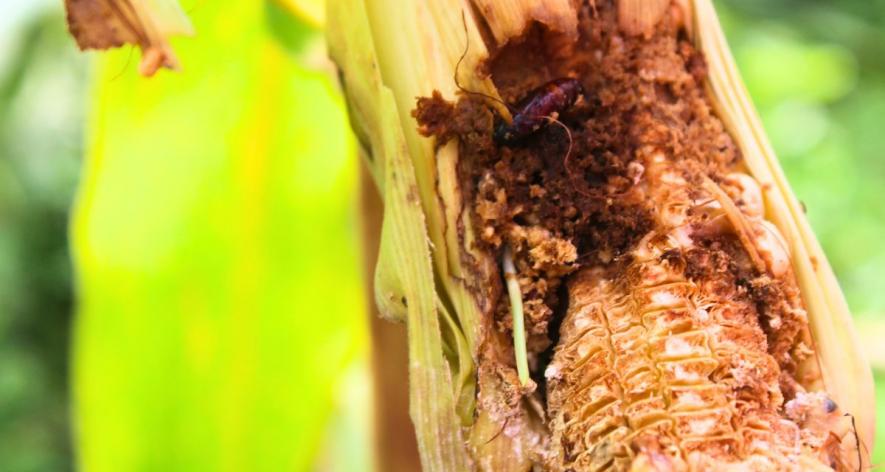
212, 217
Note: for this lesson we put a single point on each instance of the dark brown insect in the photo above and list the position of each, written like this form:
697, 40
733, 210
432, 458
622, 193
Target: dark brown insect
541, 108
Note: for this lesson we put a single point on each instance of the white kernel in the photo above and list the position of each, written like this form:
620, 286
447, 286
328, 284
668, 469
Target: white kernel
664, 298
672, 178
598, 392
676, 346
691, 399
583, 349
682, 236
772, 247
551, 372
682, 374
702, 427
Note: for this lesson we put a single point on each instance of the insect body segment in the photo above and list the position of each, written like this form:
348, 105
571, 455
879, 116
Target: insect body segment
542, 106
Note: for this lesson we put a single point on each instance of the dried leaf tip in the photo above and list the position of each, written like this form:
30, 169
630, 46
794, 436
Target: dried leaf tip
104, 24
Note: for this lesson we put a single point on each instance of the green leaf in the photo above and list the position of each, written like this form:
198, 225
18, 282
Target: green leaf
213, 237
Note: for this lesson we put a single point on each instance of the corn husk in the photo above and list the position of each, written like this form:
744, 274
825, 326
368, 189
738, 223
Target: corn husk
389, 53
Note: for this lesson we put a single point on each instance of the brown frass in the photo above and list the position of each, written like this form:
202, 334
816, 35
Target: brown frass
637, 92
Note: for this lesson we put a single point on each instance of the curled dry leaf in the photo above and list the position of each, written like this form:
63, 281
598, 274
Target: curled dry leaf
104, 24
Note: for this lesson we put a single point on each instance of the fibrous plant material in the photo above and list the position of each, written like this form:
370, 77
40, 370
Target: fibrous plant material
104, 24
659, 285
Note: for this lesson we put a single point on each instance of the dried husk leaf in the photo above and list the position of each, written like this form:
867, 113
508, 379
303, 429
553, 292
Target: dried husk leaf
104, 24
847, 376
412, 277
404, 274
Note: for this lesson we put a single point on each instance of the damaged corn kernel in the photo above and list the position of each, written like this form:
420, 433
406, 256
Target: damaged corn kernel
672, 363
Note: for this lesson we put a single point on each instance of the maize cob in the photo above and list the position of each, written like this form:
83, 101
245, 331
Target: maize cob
680, 367
702, 328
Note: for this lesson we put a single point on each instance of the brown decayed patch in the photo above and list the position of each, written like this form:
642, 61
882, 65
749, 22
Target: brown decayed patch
638, 92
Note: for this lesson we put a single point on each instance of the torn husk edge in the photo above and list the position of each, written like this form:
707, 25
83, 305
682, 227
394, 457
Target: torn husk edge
388, 54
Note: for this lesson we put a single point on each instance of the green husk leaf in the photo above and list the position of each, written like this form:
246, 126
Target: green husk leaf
405, 280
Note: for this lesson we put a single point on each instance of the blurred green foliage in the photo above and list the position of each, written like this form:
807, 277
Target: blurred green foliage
216, 249
42, 86
215, 235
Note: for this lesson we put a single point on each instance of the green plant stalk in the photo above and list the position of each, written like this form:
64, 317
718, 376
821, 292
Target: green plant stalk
515, 294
